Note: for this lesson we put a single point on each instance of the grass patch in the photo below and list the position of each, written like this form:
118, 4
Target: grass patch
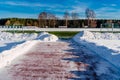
64, 34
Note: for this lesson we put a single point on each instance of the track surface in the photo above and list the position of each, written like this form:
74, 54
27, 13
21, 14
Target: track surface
63, 60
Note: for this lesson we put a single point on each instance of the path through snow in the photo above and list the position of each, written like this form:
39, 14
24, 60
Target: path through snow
58, 61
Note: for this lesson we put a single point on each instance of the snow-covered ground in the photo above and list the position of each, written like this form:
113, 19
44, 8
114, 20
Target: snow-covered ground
106, 45
12, 44
8, 39
16, 37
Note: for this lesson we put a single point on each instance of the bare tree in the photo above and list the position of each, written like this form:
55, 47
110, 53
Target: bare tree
87, 13
7, 23
66, 17
47, 19
42, 19
52, 19
90, 14
16, 23
93, 15
74, 17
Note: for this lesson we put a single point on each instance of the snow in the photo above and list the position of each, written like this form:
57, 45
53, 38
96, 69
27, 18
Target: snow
106, 45
10, 37
112, 45
7, 56
10, 40
2, 44
39, 64
87, 35
44, 36
11, 44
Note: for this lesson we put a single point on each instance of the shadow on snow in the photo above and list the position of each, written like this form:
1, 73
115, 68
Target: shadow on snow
95, 63
10, 45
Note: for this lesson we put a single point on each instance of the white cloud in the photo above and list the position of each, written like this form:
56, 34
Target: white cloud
109, 5
107, 12
28, 4
25, 4
113, 5
80, 7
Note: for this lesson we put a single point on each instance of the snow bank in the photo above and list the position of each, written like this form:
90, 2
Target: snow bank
84, 35
44, 36
7, 56
10, 37
87, 35
2, 44
105, 45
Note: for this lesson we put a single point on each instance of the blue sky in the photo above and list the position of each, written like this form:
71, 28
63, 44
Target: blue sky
31, 8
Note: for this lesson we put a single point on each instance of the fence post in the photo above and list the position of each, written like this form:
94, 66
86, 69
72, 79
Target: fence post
13, 26
100, 27
22, 29
112, 27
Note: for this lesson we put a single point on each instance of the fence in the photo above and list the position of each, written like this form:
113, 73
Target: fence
33, 28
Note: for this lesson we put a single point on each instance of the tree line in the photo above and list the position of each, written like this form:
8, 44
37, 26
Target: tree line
18, 21
78, 23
